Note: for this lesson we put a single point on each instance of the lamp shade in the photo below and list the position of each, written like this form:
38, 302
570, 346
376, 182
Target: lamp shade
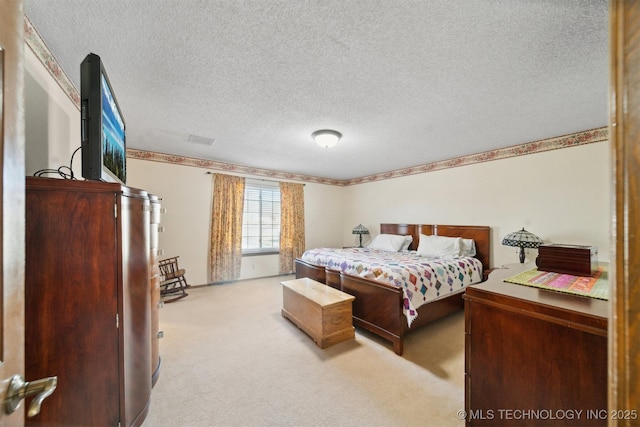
326, 138
522, 239
360, 230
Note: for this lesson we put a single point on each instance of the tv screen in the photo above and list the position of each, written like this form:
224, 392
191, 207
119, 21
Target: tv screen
102, 125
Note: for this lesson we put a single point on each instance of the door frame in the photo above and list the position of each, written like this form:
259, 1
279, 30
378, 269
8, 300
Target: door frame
12, 200
624, 132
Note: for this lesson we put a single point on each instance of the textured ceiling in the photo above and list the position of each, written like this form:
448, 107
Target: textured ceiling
407, 82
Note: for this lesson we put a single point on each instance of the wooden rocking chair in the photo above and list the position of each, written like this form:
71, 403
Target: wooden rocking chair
173, 283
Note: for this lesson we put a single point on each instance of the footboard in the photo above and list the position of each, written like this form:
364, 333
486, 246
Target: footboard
304, 269
377, 308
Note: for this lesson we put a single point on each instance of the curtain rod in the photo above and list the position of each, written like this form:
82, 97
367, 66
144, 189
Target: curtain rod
257, 179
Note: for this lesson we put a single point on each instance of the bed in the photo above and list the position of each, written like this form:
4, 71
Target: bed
383, 306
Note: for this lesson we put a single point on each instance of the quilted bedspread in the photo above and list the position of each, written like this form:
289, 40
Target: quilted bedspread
422, 279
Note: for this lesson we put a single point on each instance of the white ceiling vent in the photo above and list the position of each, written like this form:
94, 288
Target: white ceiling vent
200, 140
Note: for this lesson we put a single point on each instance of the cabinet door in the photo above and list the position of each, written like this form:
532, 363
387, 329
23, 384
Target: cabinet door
154, 282
135, 318
71, 304
519, 362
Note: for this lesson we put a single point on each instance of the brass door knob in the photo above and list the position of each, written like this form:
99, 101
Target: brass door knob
19, 389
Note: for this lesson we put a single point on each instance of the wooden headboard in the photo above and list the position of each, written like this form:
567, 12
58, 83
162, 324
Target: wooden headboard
403, 230
480, 234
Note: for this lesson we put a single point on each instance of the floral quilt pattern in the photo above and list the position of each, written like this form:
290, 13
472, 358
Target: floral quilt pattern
421, 279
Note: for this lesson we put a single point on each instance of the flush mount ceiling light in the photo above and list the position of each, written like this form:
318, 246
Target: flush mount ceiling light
326, 138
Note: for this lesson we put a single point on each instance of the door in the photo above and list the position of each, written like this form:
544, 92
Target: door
624, 108
11, 201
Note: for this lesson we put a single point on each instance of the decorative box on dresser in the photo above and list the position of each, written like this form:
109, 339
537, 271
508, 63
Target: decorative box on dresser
87, 301
533, 357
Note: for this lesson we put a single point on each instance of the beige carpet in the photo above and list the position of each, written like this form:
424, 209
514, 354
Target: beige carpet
230, 359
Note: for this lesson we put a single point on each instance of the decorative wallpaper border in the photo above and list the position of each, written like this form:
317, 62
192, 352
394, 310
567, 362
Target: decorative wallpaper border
555, 143
133, 153
566, 141
41, 50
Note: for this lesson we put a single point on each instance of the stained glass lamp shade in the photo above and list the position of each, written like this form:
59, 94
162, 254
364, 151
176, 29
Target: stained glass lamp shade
522, 239
360, 230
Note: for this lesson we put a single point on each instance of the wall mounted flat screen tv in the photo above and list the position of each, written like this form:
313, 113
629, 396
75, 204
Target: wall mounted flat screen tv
102, 125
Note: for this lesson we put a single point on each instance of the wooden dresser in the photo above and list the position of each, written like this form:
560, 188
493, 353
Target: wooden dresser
533, 357
87, 301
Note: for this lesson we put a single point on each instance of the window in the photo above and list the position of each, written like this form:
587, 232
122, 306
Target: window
261, 217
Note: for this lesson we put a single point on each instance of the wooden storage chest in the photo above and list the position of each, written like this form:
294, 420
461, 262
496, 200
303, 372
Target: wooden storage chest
323, 312
568, 259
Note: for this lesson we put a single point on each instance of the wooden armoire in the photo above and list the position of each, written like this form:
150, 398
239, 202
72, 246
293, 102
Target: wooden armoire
88, 301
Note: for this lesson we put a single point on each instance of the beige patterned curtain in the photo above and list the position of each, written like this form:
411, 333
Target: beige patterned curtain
292, 243
225, 246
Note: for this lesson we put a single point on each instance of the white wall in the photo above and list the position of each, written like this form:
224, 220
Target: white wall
186, 195
562, 195
52, 121
186, 198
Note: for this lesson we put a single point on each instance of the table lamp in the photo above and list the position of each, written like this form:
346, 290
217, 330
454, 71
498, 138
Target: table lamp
360, 230
522, 239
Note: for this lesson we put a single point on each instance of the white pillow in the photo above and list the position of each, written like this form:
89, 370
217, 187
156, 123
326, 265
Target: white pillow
439, 246
407, 243
468, 247
388, 242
